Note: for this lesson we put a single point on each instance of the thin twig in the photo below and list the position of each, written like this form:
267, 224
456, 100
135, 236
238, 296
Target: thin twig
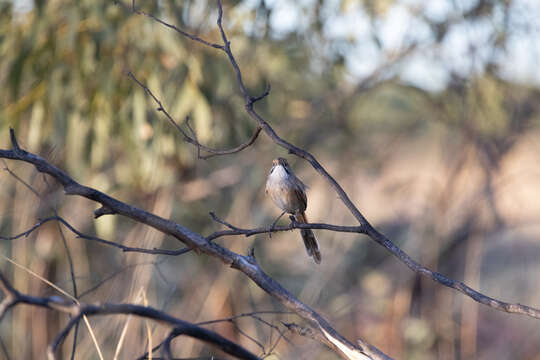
81, 235
231, 320
193, 138
170, 26
113, 275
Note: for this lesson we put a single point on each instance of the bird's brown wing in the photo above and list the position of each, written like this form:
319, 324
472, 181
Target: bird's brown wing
301, 196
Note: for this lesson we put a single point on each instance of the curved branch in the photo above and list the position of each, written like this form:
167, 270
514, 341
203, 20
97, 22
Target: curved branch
78, 310
244, 263
368, 229
193, 138
81, 235
232, 319
170, 26
394, 250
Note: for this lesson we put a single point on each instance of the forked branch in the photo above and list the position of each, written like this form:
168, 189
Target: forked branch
244, 263
193, 138
365, 226
12, 297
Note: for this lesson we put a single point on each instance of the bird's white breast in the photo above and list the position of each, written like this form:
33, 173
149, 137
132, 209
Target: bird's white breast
280, 187
278, 174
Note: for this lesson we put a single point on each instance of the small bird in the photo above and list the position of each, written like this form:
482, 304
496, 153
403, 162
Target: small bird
289, 194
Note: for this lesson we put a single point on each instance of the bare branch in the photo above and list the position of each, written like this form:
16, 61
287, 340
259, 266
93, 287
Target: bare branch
309, 333
253, 314
81, 235
10, 296
161, 108
170, 26
113, 275
13, 140
394, 250
245, 264
103, 211
193, 138
232, 320
234, 230
28, 186
78, 310
215, 152
368, 229
263, 95
323, 331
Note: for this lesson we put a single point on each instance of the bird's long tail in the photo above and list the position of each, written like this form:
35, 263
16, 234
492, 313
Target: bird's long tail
310, 242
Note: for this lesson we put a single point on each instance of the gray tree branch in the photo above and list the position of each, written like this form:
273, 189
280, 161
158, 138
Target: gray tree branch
365, 226
13, 297
244, 263
193, 138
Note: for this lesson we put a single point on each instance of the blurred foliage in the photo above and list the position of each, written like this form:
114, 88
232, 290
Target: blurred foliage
426, 157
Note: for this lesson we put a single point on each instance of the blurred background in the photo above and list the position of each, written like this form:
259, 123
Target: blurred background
427, 113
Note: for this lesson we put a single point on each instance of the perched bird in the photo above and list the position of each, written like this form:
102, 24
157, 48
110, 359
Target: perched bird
289, 194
